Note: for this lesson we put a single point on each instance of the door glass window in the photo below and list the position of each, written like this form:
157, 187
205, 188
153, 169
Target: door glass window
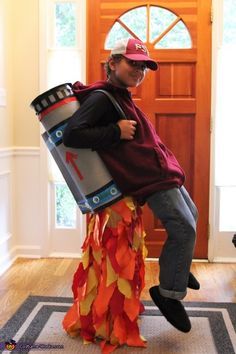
65, 210
136, 21
65, 24
151, 24
177, 38
63, 65
160, 19
65, 205
116, 33
229, 30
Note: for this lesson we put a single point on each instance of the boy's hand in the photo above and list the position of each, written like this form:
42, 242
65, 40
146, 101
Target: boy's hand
127, 128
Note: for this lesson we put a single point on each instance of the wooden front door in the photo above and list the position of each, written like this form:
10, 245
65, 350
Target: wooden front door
176, 98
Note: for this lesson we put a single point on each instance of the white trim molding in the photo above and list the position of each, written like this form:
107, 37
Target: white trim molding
65, 255
3, 97
18, 252
5, 238
6, 152
224, 260
28, 251
4, 173
220, 249
26, 151
7, 261
19, 151
46, 30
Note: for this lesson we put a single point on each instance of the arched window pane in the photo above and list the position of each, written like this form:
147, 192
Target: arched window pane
177, 38
116, 33
160, 19
136, 20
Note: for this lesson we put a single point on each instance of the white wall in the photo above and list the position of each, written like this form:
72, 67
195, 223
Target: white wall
7, 236
19, 131
6, 96
25, 86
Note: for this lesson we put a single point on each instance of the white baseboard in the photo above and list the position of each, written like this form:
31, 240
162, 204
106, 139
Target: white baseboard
28, 251
64, 255
224, 260
194, 260
7, 261
5, 238
5, 265
18, 252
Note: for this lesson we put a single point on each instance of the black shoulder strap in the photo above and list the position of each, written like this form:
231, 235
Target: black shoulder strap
114, 102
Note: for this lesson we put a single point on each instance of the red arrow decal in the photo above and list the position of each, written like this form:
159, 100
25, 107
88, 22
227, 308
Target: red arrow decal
70, 158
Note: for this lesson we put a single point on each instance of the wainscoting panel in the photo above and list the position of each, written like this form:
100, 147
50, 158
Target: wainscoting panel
7, 241
19, 205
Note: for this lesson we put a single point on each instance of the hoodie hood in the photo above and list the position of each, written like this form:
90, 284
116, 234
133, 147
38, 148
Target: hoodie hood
81, 91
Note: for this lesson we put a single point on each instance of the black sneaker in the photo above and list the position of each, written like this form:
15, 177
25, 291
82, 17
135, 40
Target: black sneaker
192, 282
172, 309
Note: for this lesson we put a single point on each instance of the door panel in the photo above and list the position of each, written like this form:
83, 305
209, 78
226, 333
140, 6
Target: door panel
184, 126
176, 98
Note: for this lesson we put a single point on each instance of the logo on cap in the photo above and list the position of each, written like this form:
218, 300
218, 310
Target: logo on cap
141, 46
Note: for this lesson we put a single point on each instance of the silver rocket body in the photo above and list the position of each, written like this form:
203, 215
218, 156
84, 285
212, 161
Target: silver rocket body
83, 170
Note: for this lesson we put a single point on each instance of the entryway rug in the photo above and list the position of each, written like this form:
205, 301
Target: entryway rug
36, 328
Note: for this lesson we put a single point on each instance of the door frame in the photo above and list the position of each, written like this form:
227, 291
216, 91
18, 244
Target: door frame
216, 237
203, 94
45, 216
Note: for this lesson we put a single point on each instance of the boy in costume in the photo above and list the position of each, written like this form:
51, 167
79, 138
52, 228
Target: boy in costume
142, 167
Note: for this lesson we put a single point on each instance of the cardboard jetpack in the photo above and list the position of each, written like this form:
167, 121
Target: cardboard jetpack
83, 170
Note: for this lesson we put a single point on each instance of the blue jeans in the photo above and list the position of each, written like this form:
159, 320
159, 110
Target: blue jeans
178, 214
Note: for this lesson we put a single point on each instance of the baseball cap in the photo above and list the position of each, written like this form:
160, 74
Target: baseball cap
134, 49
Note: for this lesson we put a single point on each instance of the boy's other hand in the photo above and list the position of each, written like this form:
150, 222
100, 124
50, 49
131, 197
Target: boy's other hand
127, 128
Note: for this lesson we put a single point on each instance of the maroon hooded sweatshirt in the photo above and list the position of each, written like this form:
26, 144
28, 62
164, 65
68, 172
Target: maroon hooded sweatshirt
144, 165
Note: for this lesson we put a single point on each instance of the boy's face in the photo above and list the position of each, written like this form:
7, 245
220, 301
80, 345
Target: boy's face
129, 73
